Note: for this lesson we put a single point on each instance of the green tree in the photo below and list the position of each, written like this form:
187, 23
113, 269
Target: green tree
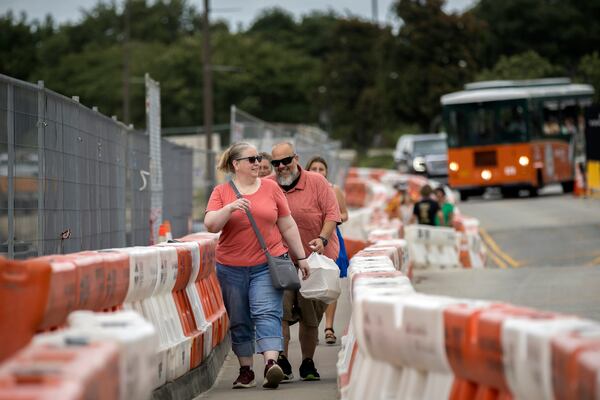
589, 72
561, 31
348, 94
434, 53
18, 39
528, 65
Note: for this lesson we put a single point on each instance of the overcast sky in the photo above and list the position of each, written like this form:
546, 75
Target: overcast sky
234, 11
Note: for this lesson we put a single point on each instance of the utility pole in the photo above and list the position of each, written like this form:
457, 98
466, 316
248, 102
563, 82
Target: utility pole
208, 99
126, 56
374, 12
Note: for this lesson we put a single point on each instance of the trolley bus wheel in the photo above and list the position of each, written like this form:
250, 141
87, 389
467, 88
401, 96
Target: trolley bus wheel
510, 192
568, 186
464, 195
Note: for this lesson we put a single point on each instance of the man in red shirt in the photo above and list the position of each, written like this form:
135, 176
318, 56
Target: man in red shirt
315, 209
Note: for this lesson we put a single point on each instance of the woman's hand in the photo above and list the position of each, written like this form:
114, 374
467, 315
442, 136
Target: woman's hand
303, 265
240, 204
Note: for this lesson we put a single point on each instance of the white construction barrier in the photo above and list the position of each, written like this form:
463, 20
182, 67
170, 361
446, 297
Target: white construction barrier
137, 340
527, 353
432, 247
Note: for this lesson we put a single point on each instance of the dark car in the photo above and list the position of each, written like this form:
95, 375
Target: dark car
425, 154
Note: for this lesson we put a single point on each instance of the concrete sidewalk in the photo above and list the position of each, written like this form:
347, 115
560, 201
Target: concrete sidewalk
325, 361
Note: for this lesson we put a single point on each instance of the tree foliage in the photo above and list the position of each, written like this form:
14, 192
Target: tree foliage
364, 82
528, 65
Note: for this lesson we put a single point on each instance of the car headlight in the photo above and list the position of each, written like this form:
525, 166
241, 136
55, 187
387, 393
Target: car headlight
419, 164
524, 161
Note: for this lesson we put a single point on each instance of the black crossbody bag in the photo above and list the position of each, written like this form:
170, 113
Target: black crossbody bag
283, 272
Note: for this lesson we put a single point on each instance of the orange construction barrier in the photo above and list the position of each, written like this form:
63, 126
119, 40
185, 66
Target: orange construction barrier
567, 370
92, 279
117, 277
588, 378
63, 296
24, 291
184, 308
377, 174
354, 246
90, 370
356, 192
208, 286
473, 340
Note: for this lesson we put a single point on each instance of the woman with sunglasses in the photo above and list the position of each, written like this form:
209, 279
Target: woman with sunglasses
319, 165
254, 306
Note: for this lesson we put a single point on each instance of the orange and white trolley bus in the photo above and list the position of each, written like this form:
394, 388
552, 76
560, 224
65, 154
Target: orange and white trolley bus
514, 134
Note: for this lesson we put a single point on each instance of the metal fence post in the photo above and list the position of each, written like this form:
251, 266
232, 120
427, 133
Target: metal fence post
10, 126
41, 123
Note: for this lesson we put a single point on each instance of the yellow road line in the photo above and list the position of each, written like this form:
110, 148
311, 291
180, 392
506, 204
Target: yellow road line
496, 249
497, 260
595, 261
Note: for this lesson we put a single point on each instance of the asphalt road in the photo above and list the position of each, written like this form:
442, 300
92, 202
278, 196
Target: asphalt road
544, 253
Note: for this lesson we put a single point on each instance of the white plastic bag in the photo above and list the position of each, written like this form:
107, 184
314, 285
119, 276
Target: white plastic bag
324, 281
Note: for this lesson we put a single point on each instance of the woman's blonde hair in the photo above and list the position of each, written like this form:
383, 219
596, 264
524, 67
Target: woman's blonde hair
233, 152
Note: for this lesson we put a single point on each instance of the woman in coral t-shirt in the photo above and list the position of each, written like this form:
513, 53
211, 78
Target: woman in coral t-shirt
254, 306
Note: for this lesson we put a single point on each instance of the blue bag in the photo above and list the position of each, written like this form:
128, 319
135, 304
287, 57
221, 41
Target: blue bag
342, 260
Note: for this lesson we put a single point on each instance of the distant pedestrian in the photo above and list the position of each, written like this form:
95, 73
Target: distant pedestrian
319, 165
400, 205
316, 211
446, 208
254, 306
426, 210
265, 168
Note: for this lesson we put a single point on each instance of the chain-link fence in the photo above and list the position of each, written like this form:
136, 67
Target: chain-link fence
309, 141
73, 179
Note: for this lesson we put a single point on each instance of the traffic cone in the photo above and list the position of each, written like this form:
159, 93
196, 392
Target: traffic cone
167, 224
162, 233
579, 189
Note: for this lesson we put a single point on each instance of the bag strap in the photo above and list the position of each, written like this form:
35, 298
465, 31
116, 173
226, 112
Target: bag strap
251, 218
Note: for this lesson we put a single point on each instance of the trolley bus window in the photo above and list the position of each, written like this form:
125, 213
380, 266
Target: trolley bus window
487, 123
551, 112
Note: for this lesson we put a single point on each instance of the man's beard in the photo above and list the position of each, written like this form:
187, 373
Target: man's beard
287, 181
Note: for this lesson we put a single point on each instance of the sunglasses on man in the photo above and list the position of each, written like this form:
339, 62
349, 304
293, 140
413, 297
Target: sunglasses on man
251, 159
284, 161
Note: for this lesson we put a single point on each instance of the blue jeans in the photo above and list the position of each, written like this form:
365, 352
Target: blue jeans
255, 309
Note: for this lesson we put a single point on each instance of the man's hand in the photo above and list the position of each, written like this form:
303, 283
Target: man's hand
316, 245
303, 265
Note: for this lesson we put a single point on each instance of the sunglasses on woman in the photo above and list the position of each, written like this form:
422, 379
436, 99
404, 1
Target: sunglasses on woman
284, 161
251, 159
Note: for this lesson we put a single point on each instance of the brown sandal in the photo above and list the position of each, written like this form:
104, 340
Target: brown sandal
330, 336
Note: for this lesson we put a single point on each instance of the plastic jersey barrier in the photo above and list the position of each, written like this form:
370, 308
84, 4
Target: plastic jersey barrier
208, 285
73, 370
527, 353
567, 369
63, 294
184, 308
24, 291
189, 304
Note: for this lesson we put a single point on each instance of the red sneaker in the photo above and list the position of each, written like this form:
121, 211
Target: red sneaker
245, 379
